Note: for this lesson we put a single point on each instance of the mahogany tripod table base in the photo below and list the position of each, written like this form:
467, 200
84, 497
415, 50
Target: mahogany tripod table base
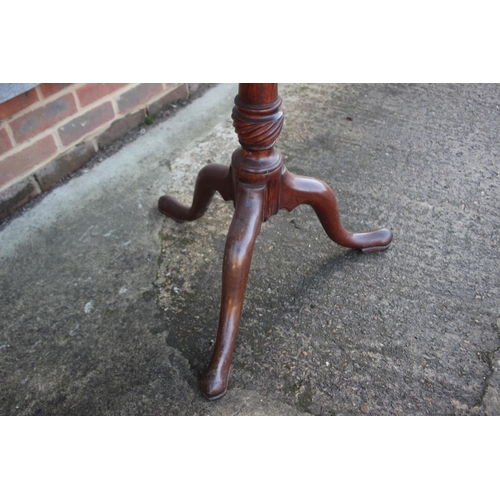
259, 186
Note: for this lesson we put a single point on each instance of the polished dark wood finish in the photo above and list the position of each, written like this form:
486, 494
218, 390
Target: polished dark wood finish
244, 229
259, 185
210, 179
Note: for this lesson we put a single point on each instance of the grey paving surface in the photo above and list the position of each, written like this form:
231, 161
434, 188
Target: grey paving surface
108, 309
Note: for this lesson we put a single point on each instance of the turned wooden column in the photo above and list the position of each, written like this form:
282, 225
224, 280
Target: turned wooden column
258, 119
259, 185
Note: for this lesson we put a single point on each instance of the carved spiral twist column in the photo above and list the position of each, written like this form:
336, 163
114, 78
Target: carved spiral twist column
258, 120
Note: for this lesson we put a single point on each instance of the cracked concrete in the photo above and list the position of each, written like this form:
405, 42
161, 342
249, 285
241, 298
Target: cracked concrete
108, 309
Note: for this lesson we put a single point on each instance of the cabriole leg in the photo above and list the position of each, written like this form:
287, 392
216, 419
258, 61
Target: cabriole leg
298, 190
211, 178
243, 231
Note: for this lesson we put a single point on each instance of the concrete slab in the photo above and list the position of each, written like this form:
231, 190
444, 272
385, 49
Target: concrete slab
108, 309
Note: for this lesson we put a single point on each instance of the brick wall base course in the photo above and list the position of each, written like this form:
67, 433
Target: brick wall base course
17, 196
69, 154
70, 161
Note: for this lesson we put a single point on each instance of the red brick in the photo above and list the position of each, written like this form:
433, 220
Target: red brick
64, 164
18, 163
40, 119
17, 196
16, 104
90, 92
120, 127
84, 124
49, 89
181, 92
5, 143
136, 96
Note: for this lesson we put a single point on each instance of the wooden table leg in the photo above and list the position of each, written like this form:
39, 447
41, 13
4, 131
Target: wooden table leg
211, 178
244, 229
259, 186
297, 190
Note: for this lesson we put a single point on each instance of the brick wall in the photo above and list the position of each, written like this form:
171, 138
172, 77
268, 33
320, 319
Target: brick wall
54, 128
